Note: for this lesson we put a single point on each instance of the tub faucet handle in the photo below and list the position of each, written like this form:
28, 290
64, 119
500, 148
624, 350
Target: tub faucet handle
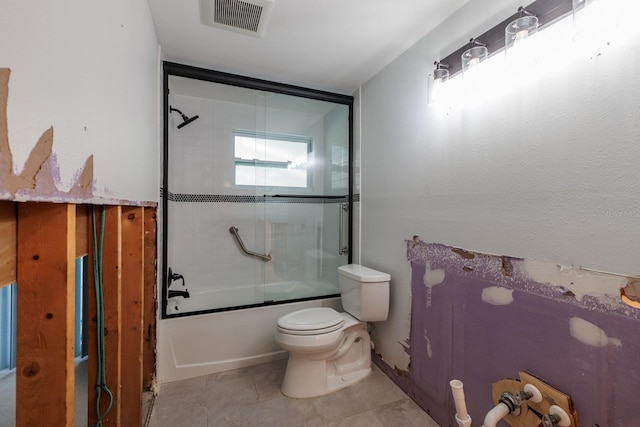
174, 276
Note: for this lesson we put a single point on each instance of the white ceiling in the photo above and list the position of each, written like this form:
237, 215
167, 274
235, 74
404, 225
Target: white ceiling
332, 45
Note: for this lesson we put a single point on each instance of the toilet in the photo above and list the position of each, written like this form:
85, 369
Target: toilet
328, 350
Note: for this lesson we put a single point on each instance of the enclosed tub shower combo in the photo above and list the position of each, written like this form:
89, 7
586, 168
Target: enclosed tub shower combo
256, 214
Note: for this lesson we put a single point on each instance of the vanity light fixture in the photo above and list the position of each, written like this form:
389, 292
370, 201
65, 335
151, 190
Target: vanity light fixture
520, 29
440, 74
473, 56
437, 79
544, 11
520, 52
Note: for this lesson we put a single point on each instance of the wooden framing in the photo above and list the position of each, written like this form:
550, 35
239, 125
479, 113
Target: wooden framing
150, 306
83, 229
8, 241
132, 220
51, 236
46, 275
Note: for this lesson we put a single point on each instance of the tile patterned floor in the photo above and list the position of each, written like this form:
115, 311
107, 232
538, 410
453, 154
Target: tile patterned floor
251, 397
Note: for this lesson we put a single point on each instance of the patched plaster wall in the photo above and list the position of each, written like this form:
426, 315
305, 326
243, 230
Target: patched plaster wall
84, 82
543, 169
481, 323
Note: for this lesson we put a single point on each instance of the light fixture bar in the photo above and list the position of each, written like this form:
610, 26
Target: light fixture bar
547, 11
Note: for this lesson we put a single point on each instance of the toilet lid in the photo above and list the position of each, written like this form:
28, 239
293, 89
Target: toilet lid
311, 321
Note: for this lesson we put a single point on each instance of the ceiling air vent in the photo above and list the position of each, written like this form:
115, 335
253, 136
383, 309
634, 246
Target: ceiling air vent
246, 17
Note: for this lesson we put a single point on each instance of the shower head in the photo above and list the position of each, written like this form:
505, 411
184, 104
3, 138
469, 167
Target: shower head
186, 119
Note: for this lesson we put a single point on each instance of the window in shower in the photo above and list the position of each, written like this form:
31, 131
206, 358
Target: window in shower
270, 159
256, 201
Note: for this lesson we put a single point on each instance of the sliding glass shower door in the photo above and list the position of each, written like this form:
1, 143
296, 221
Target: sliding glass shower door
256, 192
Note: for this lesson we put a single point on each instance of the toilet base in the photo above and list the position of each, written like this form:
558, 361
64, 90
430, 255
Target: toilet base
306, 377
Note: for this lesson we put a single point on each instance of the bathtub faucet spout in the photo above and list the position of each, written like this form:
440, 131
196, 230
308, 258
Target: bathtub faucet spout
171, 293
184, 294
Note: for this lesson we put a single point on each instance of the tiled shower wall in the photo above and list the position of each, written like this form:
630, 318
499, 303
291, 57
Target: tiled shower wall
204, 203
481, 318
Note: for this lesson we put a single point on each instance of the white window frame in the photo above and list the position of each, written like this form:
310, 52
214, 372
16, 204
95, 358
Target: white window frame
237, 161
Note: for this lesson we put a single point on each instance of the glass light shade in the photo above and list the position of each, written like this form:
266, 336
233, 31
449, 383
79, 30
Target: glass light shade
519, 30
472, 57
438, 78
440, 75
520, 52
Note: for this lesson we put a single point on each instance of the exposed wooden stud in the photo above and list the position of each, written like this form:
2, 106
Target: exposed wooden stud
7, 242
132, 310
150, 253
112, 283
90, 340
45, 343
83, 222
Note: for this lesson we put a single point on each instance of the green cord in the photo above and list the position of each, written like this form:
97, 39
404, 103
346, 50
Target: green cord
101, 378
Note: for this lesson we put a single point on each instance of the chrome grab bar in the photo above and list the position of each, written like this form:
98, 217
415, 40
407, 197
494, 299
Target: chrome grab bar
265, 257
342, 249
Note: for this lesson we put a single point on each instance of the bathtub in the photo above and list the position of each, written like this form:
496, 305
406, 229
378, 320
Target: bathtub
205, 344
201, 300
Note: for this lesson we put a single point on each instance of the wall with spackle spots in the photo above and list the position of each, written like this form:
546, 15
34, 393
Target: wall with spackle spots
542, 171
479, 326
80, 122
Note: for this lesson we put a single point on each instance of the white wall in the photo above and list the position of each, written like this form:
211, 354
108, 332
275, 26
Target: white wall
546, 169
89, 69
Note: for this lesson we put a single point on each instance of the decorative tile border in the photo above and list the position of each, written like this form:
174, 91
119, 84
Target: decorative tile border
234, 198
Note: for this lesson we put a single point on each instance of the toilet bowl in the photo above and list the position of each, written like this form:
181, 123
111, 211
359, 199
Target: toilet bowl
328, 350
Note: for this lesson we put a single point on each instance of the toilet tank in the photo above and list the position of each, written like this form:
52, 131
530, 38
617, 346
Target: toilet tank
364, 292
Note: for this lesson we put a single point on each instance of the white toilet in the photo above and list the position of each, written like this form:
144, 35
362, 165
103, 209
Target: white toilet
328, 350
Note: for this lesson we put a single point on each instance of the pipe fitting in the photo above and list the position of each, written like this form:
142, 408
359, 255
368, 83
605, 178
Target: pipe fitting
498, 412
462, 416
512, 402
556, 417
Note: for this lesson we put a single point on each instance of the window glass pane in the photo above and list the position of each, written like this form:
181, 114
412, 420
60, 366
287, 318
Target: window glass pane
272, 161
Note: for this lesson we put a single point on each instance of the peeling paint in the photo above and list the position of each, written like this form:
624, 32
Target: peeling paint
578, 281
594, 290
37, 181
464, 254
507, 268
553, 320
590, 334
406, 346
496, 295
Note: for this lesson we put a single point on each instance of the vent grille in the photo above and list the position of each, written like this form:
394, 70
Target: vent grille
238, 14
247, 17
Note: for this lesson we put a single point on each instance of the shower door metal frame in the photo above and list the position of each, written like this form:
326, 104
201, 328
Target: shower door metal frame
187, 71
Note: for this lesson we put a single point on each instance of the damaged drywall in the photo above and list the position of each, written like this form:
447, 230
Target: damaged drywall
566, 325
37, 181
